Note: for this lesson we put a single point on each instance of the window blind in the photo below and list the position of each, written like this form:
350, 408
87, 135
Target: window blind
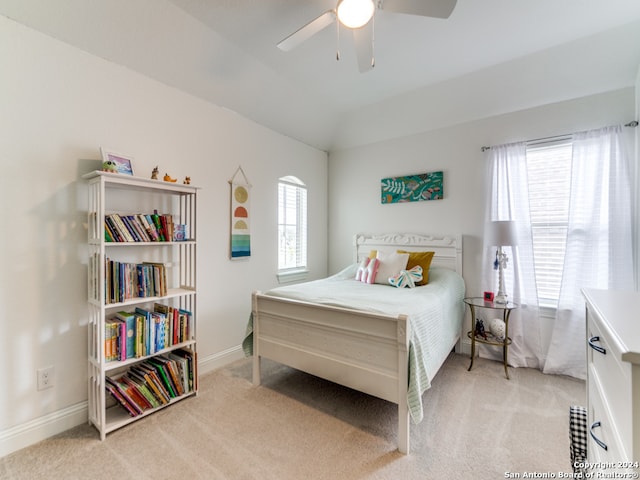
292, 224
549, 180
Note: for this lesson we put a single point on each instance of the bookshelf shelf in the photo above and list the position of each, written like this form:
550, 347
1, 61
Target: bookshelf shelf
132, 302
116, 365
142, 244
142, 354
116, 417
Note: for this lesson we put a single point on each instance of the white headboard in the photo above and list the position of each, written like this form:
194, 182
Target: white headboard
447, 248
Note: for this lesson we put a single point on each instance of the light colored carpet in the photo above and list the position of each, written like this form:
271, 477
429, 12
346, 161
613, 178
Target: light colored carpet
478, 425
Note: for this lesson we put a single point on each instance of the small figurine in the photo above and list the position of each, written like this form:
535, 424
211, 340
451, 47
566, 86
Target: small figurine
154, 173
187, 180
480, 329
167, 178
109, 166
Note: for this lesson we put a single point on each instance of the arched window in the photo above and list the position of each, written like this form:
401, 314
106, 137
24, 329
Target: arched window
292, 227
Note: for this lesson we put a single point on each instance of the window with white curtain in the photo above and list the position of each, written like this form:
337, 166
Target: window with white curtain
549, 180
292, 227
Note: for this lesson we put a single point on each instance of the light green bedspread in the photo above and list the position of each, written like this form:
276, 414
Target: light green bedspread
435, 313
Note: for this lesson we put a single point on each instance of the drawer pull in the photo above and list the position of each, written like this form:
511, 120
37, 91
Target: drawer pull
600, 443
597, 348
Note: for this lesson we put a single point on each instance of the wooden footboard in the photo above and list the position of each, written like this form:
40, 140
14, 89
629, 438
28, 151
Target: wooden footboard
364, 351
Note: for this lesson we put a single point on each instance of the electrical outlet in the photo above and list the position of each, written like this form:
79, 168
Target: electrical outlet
45, 377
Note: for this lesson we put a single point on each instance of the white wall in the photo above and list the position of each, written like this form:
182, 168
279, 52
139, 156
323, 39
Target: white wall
354, 175
637, 177
58, 106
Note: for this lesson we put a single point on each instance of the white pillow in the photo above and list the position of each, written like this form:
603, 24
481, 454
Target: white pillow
390, 265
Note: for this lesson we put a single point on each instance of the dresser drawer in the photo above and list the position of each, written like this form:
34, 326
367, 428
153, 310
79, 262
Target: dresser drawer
612, 376
601, 426
613, 379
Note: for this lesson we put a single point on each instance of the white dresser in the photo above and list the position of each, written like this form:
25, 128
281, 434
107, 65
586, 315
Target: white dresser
613, 380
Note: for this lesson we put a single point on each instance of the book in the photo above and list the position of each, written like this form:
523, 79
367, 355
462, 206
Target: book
132, 231
158, 321
108, 234
151, 370
183, 369
115, 393
173, 373
129, 319
124, 393
169, 314
148, 333
152, 225
151, 231
134, 392
114, 338
121, 228
131, 379
152, 381
156, 221
186, 325
114, 229
164, 374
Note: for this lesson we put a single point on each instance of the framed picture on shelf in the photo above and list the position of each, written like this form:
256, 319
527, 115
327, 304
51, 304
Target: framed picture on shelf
116, 162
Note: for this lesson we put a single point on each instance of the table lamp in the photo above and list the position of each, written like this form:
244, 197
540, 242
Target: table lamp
501, 234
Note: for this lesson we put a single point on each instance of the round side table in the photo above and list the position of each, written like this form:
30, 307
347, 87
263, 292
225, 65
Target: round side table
505, 308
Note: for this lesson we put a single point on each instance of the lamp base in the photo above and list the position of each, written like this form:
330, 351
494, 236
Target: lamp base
501, 298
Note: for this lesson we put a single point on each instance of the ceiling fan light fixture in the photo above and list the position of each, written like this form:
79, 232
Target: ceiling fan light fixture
355, 13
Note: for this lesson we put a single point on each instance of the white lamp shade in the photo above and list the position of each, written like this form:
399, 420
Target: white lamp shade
501, 233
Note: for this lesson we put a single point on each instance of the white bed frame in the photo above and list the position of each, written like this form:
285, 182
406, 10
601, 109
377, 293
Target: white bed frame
361, 350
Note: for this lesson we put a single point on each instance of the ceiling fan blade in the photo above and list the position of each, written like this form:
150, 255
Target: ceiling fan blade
308, 31
425, 8
363, 40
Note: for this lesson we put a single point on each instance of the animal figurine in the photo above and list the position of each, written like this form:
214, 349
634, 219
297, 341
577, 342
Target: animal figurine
167, 178
480, 329
187, 180
154, 173
109, 166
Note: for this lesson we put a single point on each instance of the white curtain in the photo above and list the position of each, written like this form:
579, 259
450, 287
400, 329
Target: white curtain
508, 199
599, 250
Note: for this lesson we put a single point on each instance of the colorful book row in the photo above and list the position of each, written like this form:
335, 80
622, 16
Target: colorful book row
144, 332
125, 281
142, 227
154, 382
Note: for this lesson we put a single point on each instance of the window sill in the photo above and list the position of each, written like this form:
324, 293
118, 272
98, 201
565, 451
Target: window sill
290, 276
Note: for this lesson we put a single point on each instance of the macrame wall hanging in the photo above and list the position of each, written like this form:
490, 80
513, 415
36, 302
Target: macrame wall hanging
240, 246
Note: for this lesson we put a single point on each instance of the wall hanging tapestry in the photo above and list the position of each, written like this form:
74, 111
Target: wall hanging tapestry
240, 216
412, 188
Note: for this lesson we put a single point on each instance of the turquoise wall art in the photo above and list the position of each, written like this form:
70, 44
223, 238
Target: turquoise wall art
412, 188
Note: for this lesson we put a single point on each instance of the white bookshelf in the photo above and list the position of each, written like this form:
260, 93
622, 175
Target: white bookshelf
111, 193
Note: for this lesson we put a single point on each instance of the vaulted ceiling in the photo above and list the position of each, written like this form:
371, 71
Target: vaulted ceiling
488, 57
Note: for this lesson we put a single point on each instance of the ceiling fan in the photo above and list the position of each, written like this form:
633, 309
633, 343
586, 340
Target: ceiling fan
359, 17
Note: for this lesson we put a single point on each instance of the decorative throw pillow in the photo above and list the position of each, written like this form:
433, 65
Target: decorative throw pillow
390, 265
407, 278
362, 267
420, 258
367, 270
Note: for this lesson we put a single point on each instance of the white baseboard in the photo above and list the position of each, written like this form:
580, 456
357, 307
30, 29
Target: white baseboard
220, 359
464, 346
34, 431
